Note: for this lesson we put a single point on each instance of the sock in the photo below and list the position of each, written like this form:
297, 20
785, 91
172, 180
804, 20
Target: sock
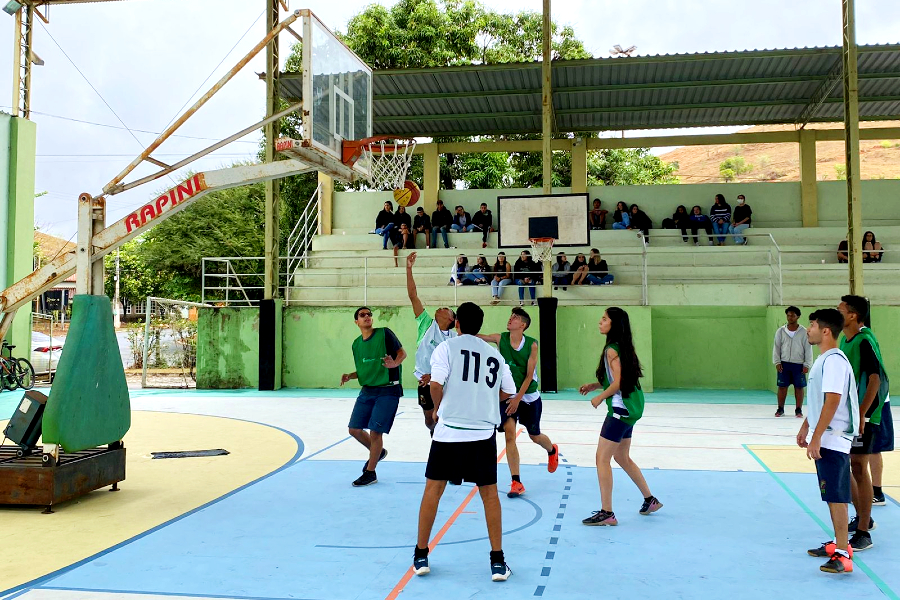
877, 490
420, 552
648, 498
497, 557
516, 478
843, 553
552, 451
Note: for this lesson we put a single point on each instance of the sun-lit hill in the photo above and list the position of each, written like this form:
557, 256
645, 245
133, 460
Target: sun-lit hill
879, 159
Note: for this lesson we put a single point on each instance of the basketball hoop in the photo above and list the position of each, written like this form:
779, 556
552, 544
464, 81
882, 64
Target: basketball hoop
542, 248
388, 163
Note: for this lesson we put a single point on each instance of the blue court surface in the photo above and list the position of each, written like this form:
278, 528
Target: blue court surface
732, 525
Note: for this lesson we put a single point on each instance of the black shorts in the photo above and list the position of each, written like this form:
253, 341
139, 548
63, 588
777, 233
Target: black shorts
791, 375
884, 435
865, 444
833, 471
614, 428
475, 462
425, 400
527, 415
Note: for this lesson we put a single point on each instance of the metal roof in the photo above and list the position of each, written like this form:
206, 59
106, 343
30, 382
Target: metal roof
646, 92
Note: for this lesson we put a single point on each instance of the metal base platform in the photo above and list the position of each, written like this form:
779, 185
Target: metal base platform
28, 480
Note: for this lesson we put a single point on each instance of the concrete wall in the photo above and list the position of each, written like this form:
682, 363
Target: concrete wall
228, 348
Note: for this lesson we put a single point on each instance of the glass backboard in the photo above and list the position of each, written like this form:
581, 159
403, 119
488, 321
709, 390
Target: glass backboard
337, 90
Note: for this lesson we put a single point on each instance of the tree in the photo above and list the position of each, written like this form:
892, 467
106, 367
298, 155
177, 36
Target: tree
733, 167
137, 278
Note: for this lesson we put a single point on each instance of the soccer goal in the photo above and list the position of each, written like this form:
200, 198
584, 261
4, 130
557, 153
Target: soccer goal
168, 348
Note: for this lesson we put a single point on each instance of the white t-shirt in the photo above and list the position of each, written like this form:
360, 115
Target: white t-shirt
790, 333
831, 373
472, 373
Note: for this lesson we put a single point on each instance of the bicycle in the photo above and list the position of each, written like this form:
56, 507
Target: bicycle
15, 372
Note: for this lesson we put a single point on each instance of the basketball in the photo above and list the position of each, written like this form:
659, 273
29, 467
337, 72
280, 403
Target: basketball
408, 194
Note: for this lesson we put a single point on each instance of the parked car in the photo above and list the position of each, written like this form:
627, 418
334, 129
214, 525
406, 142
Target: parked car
45, 357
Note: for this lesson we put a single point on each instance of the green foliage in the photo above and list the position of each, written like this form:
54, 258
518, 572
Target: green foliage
840, 172
605, 167
138, 278
733, 167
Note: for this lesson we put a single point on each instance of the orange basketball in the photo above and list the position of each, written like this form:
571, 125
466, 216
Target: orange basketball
408, 194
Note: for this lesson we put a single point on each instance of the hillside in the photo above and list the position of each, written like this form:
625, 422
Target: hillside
879, 159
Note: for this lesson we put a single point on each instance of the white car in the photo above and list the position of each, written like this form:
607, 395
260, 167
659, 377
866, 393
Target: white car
45, 357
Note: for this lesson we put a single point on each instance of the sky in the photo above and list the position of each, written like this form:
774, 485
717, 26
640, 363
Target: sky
148, 58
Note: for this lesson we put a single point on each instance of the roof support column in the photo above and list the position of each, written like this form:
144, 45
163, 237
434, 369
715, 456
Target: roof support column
431, 176
809, 195
579, 166
851, 147
326, 203
546, 104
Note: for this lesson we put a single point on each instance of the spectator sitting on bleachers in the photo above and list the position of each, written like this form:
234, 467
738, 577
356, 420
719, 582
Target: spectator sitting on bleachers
560, 271
700, 221
526, 272
720, 215
621, 219
579, 270
483, 222
384, 222
462, 221
597, 216
481, 271
640, 222
740, 220
459, 272
441, 220
679, 220
598, 270
401, 237
502, 277
401, 217
843, 252
422, 224
872, 250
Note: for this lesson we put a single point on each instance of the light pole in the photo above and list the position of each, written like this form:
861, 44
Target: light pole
117, 307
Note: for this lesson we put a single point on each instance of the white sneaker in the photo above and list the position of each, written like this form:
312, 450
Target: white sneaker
534, 302
521, 303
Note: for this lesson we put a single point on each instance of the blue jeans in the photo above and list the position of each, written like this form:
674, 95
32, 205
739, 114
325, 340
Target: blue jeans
385, 232
497, 286
443, 232
522, 285
738, 229
720, 228
462, 228
562, 279
600, 279
620, 226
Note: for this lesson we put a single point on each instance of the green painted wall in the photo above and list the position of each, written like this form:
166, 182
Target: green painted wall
18, 206
880, 202
228, 348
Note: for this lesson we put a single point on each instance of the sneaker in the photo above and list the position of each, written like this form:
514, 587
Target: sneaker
380, 458
534, 302
601, 517
861, 541
851, 527
555, 287
553, 459
367, 478
878, 499
565, 289
516, 489
838, 563
495, 300
650, 506
798, 413
521, 303
500, 571
826, 550
484, 244
779, 412
420, 566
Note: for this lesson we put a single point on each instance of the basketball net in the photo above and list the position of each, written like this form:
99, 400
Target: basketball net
541, 248
388, 163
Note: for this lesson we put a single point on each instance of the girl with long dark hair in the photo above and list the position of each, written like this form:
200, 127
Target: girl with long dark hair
872, 249
502, 277
618, 374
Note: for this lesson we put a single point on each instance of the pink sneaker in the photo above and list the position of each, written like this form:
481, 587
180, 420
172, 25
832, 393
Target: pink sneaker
601, 517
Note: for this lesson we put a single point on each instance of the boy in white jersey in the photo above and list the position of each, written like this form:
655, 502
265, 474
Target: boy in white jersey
431, 332
468, 380
832, 421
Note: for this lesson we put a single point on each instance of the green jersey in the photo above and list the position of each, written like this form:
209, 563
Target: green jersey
518, 360
865, 357
368, 354
633, 402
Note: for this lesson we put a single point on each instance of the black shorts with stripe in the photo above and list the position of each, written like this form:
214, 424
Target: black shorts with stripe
424, 394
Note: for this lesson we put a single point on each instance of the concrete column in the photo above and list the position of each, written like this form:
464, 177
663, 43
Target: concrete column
579, 167
851, 146
546, 103
432, 177
273, 212
326, 202
809, 195
19, 213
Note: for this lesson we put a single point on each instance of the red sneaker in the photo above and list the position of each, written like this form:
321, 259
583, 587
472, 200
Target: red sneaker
553, 459
516, 489
838, 563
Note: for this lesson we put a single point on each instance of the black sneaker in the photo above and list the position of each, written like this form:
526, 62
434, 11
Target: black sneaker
838, 563
420, 566
367, 478
861, 541
500, 571
779, 412
798, 413
878, 500
380, 458
854, 522
601, 517
650, 506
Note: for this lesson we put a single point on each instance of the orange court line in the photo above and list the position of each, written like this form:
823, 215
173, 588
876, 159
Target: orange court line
440, 534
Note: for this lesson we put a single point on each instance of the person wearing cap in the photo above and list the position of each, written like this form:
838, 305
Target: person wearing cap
422, 224
792, 357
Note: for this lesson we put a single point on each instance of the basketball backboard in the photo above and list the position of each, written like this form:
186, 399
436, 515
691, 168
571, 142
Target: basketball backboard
521, 216
337, 92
